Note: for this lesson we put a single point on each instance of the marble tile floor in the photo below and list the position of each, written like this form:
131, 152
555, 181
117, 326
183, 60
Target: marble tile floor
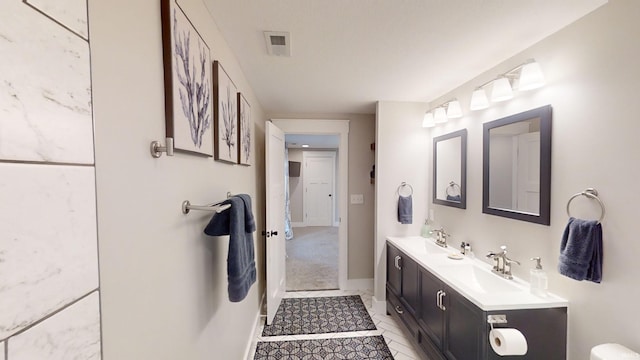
400, 346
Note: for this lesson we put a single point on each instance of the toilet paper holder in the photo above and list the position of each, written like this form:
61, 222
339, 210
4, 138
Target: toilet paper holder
496, 319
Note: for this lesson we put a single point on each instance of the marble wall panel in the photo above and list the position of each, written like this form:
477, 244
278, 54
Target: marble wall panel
2, 351
45, 89
69, 13
48, 241
73, 333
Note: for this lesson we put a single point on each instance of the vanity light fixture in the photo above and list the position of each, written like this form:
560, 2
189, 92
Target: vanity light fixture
453, 109
428, 120
501, 89
479, 100
440, 115
531, 76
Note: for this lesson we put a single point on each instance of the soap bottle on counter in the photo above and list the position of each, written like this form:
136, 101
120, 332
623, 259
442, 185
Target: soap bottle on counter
538, 279
425, 231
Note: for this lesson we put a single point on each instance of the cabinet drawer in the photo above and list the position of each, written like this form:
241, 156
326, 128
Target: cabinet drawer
395, 307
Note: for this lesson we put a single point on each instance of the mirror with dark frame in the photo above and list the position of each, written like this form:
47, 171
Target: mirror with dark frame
450, 169
517, 166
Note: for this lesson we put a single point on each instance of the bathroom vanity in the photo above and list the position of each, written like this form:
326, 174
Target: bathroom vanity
444, 301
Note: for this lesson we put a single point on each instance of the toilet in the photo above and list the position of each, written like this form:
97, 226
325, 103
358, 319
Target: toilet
612, 352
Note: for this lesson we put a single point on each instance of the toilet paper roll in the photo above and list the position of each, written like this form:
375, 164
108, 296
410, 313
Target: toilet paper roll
507, 341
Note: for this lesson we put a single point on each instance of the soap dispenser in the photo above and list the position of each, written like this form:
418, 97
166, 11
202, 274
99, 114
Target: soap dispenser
538, 279
425, 232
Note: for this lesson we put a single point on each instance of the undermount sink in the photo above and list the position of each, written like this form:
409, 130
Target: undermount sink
426, 246
478, 279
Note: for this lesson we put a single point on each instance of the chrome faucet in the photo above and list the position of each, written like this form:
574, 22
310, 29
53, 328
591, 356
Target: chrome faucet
501, 263
441, 237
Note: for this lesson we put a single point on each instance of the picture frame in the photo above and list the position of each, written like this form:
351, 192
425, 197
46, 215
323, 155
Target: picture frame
245, 125
187, 82
225, 123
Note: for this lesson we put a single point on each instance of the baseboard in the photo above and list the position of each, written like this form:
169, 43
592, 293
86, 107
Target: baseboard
254, 333
359, 284
379, 307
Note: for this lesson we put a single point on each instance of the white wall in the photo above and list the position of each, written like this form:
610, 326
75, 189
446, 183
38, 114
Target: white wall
164, 282
592, 80
402, 154
49, 288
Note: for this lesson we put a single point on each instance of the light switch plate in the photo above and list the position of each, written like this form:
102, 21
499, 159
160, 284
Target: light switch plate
357, 198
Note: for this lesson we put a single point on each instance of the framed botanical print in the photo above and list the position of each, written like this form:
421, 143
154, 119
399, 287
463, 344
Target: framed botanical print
245, 126
225, 118
187, 82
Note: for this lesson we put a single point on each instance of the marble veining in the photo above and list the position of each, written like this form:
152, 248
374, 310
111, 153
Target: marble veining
48, 241
73, 333
70, 13
45, 87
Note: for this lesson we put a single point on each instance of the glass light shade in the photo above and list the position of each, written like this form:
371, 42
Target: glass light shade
531, 76
453, 110
479, 100
428, 120
501, 90
440, 115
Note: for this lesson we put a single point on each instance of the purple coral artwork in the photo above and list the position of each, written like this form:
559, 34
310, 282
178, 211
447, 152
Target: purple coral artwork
245, 126
189, 109
225, 123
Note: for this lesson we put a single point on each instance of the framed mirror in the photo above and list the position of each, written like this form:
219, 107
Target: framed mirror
516, 180
450, 169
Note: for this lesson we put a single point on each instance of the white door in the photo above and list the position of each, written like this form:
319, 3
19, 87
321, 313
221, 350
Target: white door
528, 173
276, 250
319, 174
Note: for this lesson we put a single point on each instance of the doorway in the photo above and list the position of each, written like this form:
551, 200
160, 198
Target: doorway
336, 227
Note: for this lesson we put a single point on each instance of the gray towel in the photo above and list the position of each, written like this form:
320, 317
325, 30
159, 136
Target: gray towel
239, 224
581, 250
405, 209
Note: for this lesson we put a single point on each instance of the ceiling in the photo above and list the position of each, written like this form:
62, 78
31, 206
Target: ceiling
348, 54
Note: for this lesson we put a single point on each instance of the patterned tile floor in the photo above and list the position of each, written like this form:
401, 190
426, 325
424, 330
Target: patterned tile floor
399, 345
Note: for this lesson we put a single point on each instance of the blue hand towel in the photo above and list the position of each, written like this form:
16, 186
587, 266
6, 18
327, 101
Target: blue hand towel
457, 198
581, 250
239, 224
405, 209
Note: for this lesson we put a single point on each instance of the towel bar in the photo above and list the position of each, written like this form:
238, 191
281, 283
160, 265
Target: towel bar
453, 186
402, 186
186, 206
592, 194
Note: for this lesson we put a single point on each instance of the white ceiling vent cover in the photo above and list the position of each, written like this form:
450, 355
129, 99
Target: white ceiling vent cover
278, 43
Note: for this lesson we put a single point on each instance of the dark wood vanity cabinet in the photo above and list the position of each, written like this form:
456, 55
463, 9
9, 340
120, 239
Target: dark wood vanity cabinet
445, 325
402, 288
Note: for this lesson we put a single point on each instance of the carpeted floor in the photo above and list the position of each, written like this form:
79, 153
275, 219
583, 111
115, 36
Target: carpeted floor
312, 259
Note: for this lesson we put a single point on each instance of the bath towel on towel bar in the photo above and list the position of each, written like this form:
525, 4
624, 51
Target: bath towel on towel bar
581, 250
239, 224
405, 209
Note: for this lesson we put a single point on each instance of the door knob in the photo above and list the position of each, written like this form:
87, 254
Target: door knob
330, 195
274, 233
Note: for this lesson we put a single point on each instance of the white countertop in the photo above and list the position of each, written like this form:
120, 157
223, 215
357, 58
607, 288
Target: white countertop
473, 278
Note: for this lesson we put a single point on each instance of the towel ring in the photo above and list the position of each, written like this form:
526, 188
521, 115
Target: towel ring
592, 194
452, 186
402, 186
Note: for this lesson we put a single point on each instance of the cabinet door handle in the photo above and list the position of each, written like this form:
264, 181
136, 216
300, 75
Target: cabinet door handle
397, 262
399, 310
441, 304
438, 299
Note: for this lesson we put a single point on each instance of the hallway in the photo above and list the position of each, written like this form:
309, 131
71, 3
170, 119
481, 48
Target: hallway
398, 344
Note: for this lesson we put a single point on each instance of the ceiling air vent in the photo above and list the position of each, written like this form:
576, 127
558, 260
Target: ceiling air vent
278, 43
